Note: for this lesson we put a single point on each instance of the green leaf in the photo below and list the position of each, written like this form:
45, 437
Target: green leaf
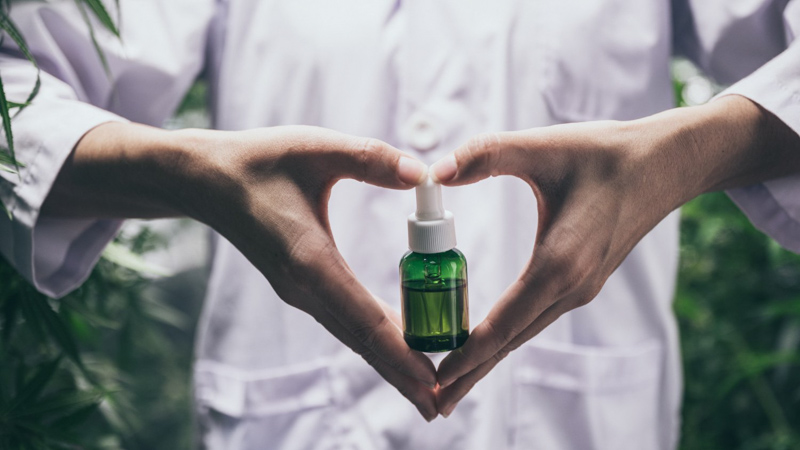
5, 158
27, 436
7, 124
7, 163
31, 96
102, 14
34, 387
8, 26
777, 308
33, 321
7, 211
76, 418
166, 314
61, 403
753, 365
79, 309
119, 14
8, 317
99, 50
124, 257
120, 417
36, 306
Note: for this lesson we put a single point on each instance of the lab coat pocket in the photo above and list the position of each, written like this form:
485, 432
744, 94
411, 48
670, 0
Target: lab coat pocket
585, 398
274, 408
605, 59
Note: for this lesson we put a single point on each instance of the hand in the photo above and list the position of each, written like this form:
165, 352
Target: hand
266, 190
600, 187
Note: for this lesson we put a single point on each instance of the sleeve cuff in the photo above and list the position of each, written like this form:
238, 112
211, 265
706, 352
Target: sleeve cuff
775, 86
774, 206
55, 255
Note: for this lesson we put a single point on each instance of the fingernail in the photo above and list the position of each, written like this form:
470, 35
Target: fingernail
444, 169
449, 410
430, 385
411, 171
445, 383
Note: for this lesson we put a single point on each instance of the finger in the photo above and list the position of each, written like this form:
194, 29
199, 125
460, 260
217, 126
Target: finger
421, 396
447, 398
393, 315
375, 162
482, 156
562, 265
319, 271
315, 150
518, 307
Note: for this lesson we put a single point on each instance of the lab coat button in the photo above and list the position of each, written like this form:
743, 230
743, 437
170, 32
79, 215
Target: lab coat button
421, 133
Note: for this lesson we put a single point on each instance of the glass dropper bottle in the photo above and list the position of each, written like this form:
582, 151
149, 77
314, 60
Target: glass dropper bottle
433, 276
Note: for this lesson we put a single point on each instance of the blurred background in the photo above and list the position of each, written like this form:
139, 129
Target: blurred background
109, 365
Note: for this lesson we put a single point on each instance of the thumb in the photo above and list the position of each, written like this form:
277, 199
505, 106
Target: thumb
482, 156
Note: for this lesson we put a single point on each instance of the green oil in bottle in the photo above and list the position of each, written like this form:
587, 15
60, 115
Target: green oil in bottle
435, 309
433, 278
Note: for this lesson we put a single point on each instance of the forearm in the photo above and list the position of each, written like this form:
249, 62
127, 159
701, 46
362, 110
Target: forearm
124, 170
728, 143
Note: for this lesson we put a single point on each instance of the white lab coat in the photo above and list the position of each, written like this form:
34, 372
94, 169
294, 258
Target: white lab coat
424, 76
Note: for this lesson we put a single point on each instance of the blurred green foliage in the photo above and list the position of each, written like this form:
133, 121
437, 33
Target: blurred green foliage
738, 306
107, 366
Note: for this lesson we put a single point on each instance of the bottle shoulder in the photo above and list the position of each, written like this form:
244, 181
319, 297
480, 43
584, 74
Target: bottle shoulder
453, 254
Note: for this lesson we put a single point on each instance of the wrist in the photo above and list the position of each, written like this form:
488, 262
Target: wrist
154, 167
125, 170
727, 136
693, 150
198, 180
109, 174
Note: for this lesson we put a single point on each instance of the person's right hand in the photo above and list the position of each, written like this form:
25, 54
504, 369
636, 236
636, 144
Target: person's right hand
266, 190
600, 187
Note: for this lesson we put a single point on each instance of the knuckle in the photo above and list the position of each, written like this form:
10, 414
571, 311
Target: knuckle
302, 257
464, 388
371, 358
484, 150
369, 155
570, 261
570, 281
310, 279
501, 354
583, 300
498, 335
594, 289
407, 392
558, 269
588, 293
368, 334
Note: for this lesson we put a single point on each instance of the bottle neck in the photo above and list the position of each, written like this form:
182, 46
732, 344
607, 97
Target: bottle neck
431, 236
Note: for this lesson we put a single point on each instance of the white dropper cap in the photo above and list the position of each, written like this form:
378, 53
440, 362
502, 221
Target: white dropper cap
431, 229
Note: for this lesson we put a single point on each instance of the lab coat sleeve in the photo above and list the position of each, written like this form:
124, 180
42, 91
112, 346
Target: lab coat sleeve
152, 66
753, 45
55, 255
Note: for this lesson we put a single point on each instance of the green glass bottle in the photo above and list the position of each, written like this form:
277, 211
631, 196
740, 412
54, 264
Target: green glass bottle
433, 277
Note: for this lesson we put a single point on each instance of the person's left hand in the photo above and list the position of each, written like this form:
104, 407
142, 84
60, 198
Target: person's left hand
600, 187
266, 190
